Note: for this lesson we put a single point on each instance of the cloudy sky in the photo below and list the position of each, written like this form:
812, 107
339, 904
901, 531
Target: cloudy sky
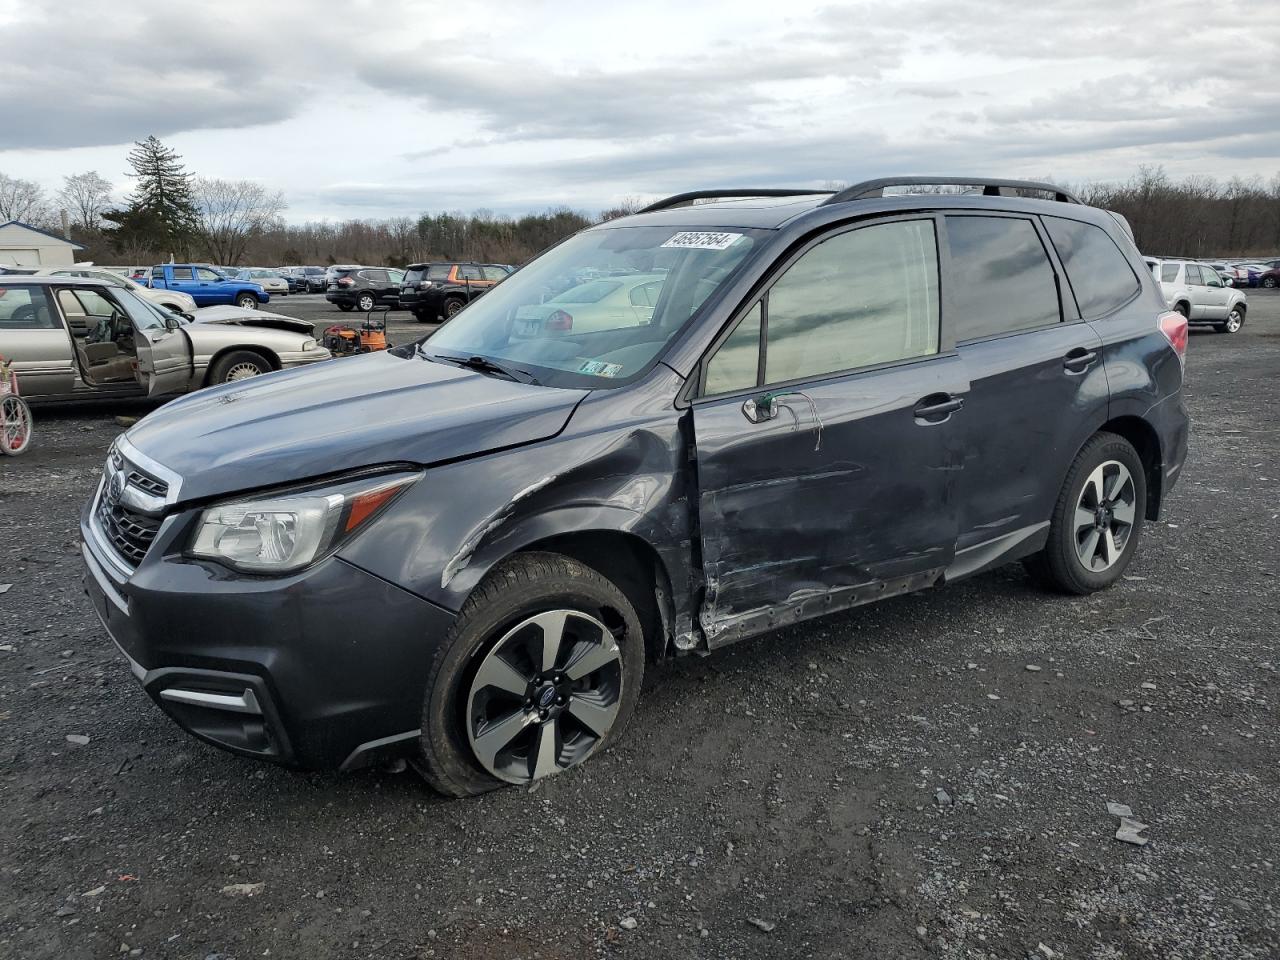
374, 109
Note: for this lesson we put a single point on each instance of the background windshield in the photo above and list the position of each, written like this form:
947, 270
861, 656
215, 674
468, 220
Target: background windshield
600, 306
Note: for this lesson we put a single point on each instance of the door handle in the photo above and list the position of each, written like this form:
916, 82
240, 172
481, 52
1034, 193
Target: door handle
759, 409
1079, 360
937, 407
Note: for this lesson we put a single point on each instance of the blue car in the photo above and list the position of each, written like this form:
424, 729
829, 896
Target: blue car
207, 286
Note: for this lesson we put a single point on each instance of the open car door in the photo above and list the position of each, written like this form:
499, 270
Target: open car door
164, 363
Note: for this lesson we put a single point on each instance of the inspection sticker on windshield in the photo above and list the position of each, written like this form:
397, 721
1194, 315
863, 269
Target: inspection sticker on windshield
598, 368
698, 240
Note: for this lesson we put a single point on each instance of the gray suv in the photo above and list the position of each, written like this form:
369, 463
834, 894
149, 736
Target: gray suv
468, 549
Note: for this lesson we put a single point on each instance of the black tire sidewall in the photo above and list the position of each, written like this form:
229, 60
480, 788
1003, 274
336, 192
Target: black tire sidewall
524, 585
452, 306
1062, 566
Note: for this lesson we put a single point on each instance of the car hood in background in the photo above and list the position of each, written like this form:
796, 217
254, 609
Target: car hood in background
343, 415
253, 318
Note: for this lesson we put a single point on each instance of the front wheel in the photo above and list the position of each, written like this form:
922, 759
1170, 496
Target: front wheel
238, 365
248, 301
1233, 323
1097, 520
15, 426
541, 671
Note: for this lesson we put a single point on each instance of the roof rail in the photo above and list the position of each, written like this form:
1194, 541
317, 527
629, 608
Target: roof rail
868, 189
679, 198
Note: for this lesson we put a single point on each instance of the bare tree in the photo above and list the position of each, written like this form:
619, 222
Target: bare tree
86, 196
23, 200
232, 213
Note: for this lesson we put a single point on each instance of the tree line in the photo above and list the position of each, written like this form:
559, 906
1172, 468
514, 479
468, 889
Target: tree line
173, 213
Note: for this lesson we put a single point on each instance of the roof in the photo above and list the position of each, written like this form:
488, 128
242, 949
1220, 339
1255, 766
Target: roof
43, 233
26, 279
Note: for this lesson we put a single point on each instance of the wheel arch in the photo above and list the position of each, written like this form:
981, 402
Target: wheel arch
265, 353
1142, 435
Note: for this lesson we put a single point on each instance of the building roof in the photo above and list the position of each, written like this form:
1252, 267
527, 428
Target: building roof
43, 233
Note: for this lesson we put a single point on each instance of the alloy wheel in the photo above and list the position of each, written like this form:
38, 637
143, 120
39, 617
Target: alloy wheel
1234, 321
242, 371
545, 696
366, 302
1104, 516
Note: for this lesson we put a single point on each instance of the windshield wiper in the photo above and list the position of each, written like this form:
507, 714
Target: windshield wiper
485, 365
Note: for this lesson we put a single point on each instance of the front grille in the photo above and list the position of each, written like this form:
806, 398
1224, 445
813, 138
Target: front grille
129, 533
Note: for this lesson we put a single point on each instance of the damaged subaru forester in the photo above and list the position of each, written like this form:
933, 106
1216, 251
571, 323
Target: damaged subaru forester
732, 411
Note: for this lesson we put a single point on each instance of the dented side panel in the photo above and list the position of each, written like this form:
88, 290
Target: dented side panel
842, 498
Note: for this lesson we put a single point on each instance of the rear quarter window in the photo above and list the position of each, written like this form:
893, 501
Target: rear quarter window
1169, 273
438, 271
1099, 274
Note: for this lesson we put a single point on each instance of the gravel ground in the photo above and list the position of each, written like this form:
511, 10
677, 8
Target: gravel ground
926, 777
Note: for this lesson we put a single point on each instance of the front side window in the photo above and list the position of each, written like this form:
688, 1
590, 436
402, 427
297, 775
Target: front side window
1004, 282
204, 273
542, 321
1169, 273
735, 365
494, 273
1099, 274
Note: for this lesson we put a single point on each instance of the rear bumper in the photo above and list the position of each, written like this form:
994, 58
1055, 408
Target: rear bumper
323, 669
1173, 426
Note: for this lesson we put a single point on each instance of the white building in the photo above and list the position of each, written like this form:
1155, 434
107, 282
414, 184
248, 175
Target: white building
22, 245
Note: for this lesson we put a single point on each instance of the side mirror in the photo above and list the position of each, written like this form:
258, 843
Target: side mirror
171, 323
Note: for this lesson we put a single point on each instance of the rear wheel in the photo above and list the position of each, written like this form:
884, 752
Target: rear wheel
345, 307
452, 306
365, 302
1183, 309
1269, 282
248, 301
541, 671
238, 365
1097, 520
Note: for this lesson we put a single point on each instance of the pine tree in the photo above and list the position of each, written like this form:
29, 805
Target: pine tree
163, 192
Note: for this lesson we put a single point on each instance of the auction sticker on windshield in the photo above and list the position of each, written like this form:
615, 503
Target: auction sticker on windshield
699, 240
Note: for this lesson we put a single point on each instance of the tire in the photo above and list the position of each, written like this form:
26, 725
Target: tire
248, 301
1060, 565
238, 365
15, 426
452, 305
365, 302
1269, 282
1234, 321
496, 616
346, 307
419, 316
1183, 309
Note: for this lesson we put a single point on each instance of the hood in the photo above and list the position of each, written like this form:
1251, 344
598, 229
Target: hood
342, 415
253, 318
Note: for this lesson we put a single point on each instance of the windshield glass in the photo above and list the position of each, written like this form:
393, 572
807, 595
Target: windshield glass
599, 307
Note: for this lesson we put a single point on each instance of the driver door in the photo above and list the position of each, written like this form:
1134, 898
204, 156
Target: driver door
164, 360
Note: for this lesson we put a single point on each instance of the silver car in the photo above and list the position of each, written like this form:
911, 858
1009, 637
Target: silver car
73, 338
270, 280
1197, 292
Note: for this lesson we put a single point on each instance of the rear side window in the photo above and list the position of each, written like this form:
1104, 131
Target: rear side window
1169, 273
1004, 282
1099, 274
182, 273
469, 271
25, 308
1194, 277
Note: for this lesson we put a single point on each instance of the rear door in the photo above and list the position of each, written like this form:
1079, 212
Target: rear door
1035, 375
33, 338
471, 279
828, 434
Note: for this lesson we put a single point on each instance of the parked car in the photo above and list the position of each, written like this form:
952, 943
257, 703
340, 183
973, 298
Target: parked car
207, 286
604, 304
77, 338
469, 546
364, 288
312, 279
1197, 292
272, 281
174, 300
297, 282
1246, 274
437, 291
1269, 278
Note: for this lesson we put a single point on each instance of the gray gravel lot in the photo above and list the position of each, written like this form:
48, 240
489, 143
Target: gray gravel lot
927, 777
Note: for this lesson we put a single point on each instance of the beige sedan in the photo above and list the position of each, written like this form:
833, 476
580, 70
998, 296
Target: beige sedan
72, 338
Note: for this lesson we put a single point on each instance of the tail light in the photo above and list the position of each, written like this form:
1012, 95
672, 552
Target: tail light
345, 282
1174, 327
559, 321
425, 284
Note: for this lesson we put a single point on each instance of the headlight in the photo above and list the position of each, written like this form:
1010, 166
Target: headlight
285, 533
308, 345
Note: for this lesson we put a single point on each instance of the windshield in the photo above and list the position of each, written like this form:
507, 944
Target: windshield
599, 307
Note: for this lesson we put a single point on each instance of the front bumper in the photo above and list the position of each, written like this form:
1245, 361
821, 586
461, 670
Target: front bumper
301, 358
322, 669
